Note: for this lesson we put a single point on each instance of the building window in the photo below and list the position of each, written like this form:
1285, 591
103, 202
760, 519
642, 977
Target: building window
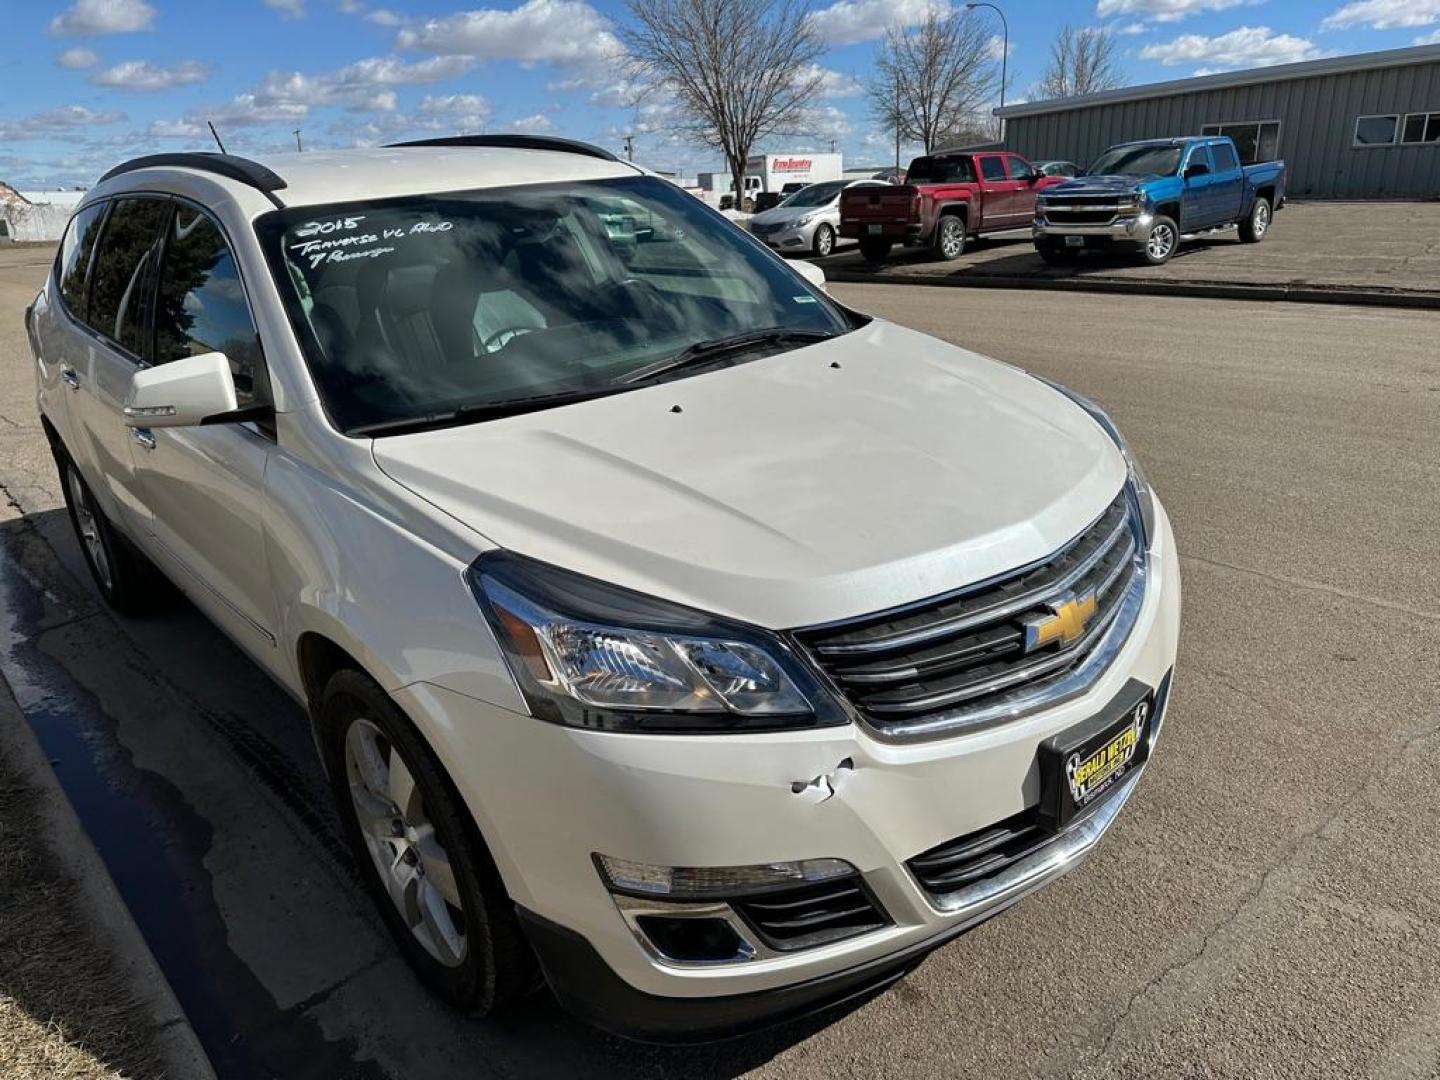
1376, 130
1256, 140
1421, 128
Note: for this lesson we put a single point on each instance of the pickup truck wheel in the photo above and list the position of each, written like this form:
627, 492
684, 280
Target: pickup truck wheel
419, 852
1254, 227
874, 250
1161, 242
120, 573
950, 237
824, 242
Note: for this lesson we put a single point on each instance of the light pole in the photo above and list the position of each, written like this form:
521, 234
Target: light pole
1004, 53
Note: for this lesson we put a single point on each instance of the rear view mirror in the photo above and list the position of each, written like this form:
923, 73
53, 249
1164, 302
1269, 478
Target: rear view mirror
182, 393
811, 273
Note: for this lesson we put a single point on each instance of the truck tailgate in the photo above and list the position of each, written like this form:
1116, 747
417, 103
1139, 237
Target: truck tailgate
876, 205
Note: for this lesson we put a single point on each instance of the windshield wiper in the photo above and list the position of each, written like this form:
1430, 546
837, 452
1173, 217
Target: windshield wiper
487, 410
706, 351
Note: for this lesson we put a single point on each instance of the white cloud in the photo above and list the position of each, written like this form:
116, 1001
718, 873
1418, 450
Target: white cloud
176, 129
998, 49
1385, 14
566, 32
1248, 46
1131, 29
363, 86
77, 59
143, 75
532, 125
1429, 39
383, 17
291, 9
1164, 10
56, 121
833, 84
89, 17
849, 21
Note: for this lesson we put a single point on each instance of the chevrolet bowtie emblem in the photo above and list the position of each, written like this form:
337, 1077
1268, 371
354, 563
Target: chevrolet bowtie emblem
1066, 622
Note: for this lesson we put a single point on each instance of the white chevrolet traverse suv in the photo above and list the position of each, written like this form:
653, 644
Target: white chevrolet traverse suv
667, 628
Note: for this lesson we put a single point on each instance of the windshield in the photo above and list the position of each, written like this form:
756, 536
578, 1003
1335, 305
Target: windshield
414, 309
816, 195
1137, 161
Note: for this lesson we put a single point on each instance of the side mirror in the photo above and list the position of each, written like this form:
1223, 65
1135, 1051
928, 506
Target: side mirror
1034, 179
1198, 169
811, 273
182, 393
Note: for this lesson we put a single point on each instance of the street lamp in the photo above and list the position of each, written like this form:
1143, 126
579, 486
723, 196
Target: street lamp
1004, 53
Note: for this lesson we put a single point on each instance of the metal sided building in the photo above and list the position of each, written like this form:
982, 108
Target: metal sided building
1350, 127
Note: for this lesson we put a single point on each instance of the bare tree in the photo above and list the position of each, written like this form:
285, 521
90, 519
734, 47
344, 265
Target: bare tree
1083, 61
933, 78
737, 70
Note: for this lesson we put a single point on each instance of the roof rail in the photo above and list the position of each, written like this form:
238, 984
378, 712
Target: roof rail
516, 142
248, 172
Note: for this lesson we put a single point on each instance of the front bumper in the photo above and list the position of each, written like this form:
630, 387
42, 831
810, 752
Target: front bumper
1132, 229
547, 798
788, 239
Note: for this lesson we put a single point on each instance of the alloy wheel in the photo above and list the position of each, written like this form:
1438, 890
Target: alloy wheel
824, 241
1161, 242
1260, 220
89, 526
952, 240
407, 853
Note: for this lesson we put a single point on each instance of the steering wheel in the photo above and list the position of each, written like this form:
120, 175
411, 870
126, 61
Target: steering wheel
502, 337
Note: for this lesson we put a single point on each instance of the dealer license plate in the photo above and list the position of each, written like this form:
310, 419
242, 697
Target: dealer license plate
874, 230
1074, 241
1084, 763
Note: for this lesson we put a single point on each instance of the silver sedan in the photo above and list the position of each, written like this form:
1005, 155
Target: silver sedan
808, 221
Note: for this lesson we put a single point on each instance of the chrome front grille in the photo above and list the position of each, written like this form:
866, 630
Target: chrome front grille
981, 655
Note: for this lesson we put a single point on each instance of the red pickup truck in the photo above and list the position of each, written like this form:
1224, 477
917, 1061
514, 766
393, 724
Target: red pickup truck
949, 197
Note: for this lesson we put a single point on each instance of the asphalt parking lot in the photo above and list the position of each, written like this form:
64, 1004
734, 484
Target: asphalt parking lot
1382, 251
1268, 904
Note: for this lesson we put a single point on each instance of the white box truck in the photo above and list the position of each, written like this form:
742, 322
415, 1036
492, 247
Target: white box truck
780, 173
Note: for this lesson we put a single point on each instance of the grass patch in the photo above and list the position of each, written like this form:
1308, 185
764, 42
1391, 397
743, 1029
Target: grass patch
66, 1010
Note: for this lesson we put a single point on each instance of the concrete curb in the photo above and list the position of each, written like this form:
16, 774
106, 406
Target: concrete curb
178, 1046
1213, 290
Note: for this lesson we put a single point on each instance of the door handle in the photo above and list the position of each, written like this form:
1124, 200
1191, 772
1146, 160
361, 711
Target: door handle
70, 377
144, 436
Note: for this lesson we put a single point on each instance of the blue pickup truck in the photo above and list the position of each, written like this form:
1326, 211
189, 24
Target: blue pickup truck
1151, 195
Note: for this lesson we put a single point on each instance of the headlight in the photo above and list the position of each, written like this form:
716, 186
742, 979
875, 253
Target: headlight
801, 222
594, 655
1139, 485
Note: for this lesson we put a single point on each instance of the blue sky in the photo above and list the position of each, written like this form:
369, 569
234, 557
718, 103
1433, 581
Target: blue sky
89, 83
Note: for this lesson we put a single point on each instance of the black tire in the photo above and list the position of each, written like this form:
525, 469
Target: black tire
124, 577
1257, 226
1056, 254
1158, 246
824, 242
874, 250
497, 965
949, 239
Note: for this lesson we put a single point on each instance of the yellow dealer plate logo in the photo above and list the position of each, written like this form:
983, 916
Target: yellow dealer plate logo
1092, 774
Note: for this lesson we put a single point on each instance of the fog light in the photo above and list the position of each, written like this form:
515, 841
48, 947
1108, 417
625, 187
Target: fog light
694, 941
705, 882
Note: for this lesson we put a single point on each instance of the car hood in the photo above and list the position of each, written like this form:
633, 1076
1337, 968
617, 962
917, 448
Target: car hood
846, 477
780, 215
1097, 185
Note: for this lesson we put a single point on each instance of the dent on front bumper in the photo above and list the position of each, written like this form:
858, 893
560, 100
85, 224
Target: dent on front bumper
548, 797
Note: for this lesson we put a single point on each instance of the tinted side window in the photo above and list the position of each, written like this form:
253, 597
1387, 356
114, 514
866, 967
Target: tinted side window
200, 306
122, 273
1199, 156
1020, 169
992, 168
75, 256
1224, 157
